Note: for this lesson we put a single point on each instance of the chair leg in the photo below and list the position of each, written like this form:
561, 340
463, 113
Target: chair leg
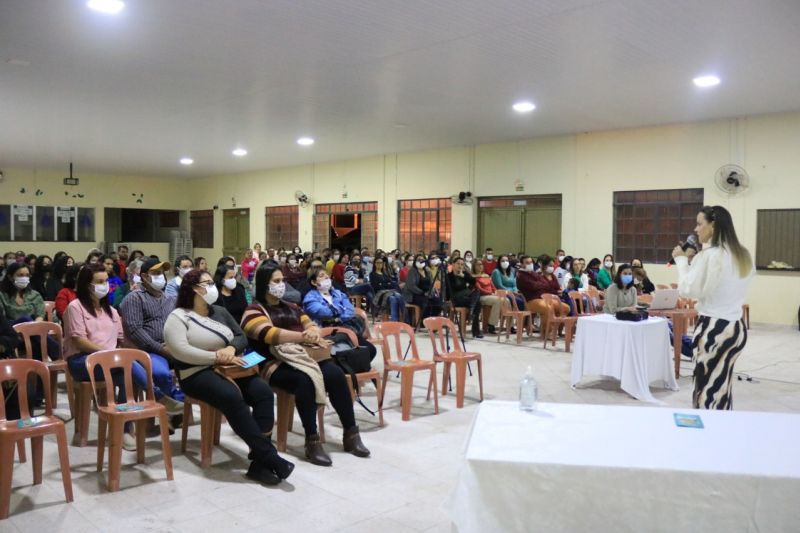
23, 457
568, 336
206, 435
445, 378
102, 429
141, 433
6, 459
63, 460
71, 395
435, 392
216, 417
115, 430
461, 383
380, 400
86, 410
406, 382
54, 386
281, 422
187, 411
519, 333
37, 447
480, 376
163, 422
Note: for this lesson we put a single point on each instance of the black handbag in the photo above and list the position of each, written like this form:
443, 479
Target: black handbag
632, 316
351, 359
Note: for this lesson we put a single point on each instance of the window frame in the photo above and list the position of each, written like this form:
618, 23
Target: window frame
418, 211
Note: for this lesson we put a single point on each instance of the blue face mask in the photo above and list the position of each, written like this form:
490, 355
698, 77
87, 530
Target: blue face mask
627, 279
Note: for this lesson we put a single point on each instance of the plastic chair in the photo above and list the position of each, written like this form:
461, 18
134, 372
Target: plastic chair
367, 331
554, 321
436, 328
113, 419
644, 298
457, 313
11, 435
582, 303
356, 300
673, 285
509, 312
210, 425
54, 366
662, 287
414, 312
391, 331
50, 310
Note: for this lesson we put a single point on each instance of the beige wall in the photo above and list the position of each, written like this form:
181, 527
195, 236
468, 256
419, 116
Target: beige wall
585, 169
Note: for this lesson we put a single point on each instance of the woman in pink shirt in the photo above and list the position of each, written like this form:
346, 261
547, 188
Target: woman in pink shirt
249, 264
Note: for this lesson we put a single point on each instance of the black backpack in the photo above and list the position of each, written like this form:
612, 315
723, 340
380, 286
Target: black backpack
351, 359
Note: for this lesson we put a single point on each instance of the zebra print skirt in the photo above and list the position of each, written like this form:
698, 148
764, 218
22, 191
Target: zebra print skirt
717, 343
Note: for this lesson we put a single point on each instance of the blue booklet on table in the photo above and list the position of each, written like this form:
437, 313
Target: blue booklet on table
252, 359
688, 421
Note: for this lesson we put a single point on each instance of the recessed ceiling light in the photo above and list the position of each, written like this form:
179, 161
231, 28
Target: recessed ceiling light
111, 7
305, 141
186, 160
524, 107
706, 81
239, 152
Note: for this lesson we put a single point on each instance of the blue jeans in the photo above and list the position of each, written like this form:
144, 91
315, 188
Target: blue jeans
53, 350
77, 367
162, 376
365, 290
397, 306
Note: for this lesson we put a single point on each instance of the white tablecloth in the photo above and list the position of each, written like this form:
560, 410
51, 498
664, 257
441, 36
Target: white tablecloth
636, 353
601, 468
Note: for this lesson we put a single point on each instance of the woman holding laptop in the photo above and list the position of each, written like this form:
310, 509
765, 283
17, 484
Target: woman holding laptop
717, 278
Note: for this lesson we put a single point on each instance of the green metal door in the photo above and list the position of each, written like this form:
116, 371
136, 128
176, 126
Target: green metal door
500, 229
235, 232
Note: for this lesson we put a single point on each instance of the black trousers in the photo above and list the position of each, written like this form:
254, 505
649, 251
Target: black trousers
208, 386
472, 301
296, 382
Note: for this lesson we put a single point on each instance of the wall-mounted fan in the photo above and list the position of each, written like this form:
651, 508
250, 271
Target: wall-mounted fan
302, 198
732, 179
462, 198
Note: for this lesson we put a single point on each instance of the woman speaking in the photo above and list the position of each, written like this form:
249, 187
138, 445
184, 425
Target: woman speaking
717, 278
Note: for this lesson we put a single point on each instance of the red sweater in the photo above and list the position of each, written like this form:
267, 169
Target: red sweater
485, 285
337, 274
63, 298
489, 266
533, 284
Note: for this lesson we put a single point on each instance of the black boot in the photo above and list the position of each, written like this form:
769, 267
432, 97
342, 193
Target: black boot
316, 453
352, 443
492, 330
476, 330
258, 471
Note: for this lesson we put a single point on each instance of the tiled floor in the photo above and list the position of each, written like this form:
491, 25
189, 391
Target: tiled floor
400, 488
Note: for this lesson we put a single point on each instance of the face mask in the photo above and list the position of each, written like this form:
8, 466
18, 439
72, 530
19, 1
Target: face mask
230, 283
325, 285
637, 281
489, 257
561, 258
137, 279
292, 263
183, 271
529, 267
626, 279
282, 260
468, 258
158, 282
22, 283
211, 295
410, 263
420, 264
435, 261
504, 264
549, 270
277, 289
335, 257
101, 291
609, 264
297, 250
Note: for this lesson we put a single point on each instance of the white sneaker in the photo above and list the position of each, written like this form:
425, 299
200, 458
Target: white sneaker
128, 442
174, 407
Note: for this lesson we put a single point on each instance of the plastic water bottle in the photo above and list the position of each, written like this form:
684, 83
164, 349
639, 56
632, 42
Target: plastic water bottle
528, 392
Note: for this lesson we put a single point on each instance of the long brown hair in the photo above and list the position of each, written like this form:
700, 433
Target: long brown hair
725, 235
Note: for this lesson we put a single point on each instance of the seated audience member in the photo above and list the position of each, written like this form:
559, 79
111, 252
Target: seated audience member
257, 249
114, 280
137, 254
387, 294
231, 293
534, 284
92, 325
10, 342
231, 262
305, 284
572, 286
275, 329
464, 293
607, 273
200, 336
504, 278
487, 291
19, 301
249, 264
642, 282
419, 284
402, 274
337, 272
144, 312
331, 260
563, 271
56, 281
355, 282
636, 263
438, 294
183, 265
201, 264
559, 258
42, 272
292, 273
123, 257
30, 261
621, 294
67, 292
94, 256
592, 271
489, 263
132, 274
469, 258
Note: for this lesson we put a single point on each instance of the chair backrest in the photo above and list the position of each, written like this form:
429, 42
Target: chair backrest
437, 326
361, 313
349, 332
673, 285
19, 370
49, 309
661, 286
120, 358
644, 298
553, 307
41, 330
577, 301
391, 331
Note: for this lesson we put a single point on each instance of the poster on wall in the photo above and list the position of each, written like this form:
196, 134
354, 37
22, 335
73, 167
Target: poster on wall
23, 212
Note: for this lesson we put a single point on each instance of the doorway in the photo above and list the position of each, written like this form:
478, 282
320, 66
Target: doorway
352, 225
531, 224
345, 231
235, 232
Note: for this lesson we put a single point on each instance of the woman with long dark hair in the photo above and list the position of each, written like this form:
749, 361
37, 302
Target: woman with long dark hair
621, 294
42, 271
717, 278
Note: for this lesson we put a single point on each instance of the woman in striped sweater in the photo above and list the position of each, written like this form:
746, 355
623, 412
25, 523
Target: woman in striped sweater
270, 322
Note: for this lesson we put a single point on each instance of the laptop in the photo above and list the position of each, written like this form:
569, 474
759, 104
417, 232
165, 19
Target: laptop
664, 299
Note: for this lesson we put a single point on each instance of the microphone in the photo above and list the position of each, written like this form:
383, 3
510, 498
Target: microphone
691, 242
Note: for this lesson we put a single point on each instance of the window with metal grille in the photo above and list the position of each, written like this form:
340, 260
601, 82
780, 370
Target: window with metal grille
202, 225
423, 224
282, 226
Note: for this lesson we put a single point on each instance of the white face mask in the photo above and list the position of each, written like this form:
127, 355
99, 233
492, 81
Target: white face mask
158, 282
183, 271
101, 291
292, 263
325, 285
561, 258
529, 267
549, 270
230, 283
489, 257
22, 283
609, 264
137, 279
282, 260
468, 258
435, 261
410, 263
420, 264
503, 264
277, 289
211, 295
